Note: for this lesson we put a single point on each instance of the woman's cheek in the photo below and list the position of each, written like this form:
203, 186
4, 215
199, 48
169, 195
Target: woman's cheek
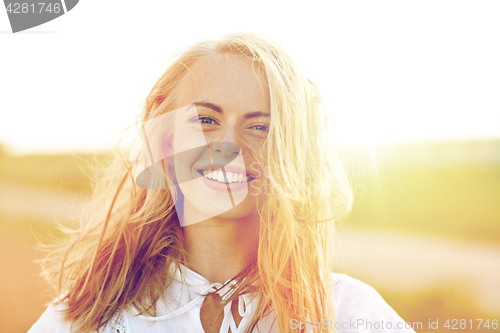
254, 167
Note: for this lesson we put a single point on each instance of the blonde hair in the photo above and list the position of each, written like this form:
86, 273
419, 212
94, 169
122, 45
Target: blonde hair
121, 253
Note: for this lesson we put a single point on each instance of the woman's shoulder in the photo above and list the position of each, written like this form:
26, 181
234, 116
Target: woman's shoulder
52, 320
360, 308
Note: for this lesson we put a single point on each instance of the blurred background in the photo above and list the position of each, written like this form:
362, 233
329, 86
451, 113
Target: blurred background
414, 109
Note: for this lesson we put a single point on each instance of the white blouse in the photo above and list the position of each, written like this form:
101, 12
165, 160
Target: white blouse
358, 308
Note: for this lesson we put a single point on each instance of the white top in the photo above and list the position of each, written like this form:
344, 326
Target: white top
358, 308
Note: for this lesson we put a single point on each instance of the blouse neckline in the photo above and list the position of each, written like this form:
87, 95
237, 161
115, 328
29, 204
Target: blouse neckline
186, 293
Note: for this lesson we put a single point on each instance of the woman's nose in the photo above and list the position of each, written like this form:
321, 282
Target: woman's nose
226, 150
226, 145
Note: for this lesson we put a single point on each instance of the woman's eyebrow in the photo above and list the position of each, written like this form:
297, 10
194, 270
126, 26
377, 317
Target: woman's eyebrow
210, 106
256, 114
218, 109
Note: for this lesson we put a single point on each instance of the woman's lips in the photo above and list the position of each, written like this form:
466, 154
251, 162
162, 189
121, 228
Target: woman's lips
217, 185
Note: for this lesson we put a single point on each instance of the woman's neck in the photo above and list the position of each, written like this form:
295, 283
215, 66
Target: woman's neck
219, 249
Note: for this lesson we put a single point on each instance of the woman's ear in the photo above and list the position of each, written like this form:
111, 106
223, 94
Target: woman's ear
167, 146
167, 154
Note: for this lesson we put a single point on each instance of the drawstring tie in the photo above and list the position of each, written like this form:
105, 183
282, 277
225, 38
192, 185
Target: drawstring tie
244, 307
225, 292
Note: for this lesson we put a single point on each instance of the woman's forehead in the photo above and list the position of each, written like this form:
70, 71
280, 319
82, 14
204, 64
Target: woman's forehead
227, 61
225, 75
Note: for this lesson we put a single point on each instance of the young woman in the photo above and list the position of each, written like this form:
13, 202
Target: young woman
228, 225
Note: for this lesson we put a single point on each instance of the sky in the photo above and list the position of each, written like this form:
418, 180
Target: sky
389, 71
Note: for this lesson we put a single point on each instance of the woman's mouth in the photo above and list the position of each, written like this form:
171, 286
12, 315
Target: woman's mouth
221, 176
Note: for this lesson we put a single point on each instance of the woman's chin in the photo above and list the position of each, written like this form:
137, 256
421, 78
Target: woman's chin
206, 210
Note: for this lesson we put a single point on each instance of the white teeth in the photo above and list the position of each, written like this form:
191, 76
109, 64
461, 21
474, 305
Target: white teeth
220, 177
232, 177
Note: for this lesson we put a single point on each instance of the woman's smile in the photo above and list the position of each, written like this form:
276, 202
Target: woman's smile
222, 176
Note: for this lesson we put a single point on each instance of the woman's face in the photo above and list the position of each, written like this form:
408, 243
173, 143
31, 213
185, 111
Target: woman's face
232, 114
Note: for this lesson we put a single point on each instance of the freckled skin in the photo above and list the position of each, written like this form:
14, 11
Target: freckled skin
229, 82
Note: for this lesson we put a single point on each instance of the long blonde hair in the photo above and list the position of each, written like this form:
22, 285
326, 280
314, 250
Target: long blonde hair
129, 236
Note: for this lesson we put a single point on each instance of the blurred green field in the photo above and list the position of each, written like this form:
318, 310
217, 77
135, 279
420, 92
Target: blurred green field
451, 197
60, 173
425, 189
460, 201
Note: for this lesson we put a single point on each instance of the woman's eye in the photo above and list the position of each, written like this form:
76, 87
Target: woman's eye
207, 121
263, 128
204, 120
